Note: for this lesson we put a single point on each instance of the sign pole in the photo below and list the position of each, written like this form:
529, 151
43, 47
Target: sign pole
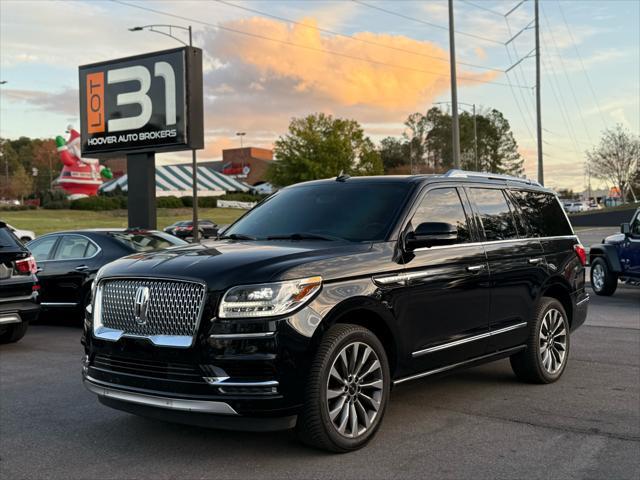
141, 190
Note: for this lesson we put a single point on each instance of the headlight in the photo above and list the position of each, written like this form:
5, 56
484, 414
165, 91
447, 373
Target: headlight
268, 299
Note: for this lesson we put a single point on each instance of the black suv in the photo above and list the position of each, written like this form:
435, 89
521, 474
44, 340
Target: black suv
315, 303
18, 287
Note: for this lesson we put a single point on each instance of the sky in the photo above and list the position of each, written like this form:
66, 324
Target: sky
266, 61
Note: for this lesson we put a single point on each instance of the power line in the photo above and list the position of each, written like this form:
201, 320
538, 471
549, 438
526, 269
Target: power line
306, 47
584, 70
481, 7
566, 75
350, 37
423, 22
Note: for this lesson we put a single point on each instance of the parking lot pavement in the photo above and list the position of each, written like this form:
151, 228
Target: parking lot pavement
479, 423
591, 235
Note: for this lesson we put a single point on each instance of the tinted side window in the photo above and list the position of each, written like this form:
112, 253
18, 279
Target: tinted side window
497, 219
443, 205
41, 248
71, 247
543, 213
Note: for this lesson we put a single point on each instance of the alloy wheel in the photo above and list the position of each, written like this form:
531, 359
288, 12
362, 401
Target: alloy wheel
597, 276
354, 389
553, 341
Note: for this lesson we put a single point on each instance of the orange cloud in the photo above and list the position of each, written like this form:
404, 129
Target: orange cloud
343, 79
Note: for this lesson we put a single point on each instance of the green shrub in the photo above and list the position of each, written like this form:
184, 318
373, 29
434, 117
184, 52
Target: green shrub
242, 197
203, 202
57, 204
16, 208
169, 202
98, 203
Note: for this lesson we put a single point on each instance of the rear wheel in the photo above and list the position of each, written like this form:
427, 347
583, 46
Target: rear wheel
547, 352
347, 390
603, 280
14, 332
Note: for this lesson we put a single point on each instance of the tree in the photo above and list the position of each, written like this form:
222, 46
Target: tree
47, 161
320, 146
615, 159
21, 183
394, 153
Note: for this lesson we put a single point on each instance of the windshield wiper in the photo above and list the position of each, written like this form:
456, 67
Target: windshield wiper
305, 236
237, 236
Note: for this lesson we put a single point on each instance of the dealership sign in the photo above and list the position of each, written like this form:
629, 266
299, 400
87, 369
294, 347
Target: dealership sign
150, 102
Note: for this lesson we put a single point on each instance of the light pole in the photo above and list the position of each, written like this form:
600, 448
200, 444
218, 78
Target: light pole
241, 135
194, 167
475, 128
455, 130
6, 162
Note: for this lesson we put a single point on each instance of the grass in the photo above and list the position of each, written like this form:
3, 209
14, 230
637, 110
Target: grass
44, 221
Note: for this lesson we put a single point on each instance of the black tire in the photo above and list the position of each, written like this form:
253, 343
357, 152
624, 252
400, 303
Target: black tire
14, 333
314, 426
609, 283
528, 364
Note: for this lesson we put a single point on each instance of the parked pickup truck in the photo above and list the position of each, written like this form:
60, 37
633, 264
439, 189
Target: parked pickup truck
617, 258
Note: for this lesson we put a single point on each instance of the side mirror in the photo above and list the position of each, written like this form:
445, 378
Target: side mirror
429, 234
625, 228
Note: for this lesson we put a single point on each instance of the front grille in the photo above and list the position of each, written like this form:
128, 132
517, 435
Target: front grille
173, 306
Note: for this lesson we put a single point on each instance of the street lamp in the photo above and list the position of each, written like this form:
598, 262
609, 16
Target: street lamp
475, 127
241, 134
194, 175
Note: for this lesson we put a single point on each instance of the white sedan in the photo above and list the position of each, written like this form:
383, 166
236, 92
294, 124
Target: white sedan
24, 235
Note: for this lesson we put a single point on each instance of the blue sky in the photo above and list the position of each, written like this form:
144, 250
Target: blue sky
389, 68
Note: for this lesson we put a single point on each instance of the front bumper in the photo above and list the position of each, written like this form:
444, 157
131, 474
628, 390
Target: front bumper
202, 413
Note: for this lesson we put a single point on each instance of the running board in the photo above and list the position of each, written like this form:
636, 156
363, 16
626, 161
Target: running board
500, 353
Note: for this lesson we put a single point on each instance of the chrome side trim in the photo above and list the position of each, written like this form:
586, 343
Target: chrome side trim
492, 242
459, 364
241, 336
204, 406
468, 339
59, 304
402, 278
586, 299
10, 318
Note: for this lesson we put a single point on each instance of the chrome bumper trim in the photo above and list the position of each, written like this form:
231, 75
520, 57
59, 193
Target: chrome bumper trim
468, 339
59, 304
10, 318
241, 336
584, 300
222, 382
203, 406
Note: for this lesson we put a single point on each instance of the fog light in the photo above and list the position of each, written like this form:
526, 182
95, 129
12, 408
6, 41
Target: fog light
85, 364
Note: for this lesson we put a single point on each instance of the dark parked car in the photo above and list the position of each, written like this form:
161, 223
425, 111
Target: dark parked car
68, 261
206, 229
18, 287
616, 258
171, 228
312, 305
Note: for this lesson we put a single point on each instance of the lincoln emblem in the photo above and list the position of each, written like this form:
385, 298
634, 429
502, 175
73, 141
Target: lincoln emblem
140, 304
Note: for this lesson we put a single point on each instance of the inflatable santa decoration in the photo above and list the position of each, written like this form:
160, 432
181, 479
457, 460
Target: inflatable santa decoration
79, 176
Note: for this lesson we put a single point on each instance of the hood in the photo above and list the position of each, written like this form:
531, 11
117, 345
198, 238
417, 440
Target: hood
615, 238
226, 263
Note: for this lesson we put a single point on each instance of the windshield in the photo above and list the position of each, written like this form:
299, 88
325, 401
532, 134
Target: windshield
340, 210
147, 241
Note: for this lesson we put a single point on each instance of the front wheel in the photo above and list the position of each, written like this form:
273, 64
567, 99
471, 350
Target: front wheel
603, 280
547, 352
347, 390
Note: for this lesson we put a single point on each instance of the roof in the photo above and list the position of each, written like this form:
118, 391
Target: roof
177, 178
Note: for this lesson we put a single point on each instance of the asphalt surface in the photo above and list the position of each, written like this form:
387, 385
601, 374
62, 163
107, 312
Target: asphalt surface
480, 423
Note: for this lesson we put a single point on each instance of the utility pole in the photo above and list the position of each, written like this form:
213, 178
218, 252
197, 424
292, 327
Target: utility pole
538, 102
455, 126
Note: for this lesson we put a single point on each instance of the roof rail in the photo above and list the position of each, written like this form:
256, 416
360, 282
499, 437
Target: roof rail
490, 176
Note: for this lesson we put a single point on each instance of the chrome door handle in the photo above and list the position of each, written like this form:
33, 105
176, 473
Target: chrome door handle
81, 268
535, 261
475, 268
39, 269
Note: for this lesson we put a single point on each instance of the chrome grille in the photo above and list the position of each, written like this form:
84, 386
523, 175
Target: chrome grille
174, 307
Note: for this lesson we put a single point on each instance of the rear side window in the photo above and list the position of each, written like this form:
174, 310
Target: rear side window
443, 205
73, 247
42, 247
543, 213
495, 214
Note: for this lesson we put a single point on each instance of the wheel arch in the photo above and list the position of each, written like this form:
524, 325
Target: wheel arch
371, 315
559, 289
610, 255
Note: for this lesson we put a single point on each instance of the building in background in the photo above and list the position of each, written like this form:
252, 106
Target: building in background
248, 164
